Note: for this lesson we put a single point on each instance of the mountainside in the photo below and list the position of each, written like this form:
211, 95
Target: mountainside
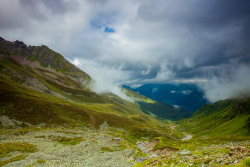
186, 95
49, 116
225, 117
157, 108
218, 136
28, 90
46, 57
48, 100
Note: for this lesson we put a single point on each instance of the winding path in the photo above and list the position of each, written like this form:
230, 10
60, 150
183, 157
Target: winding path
187, 137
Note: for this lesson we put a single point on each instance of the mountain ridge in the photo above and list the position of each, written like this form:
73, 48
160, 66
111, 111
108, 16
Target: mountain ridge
224, 117
58, 110
45, 56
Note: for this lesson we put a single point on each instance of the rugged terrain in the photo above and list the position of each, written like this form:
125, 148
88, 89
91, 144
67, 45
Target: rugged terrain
50, 117
39, 98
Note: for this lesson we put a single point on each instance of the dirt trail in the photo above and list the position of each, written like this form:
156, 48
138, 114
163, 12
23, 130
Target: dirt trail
187, 137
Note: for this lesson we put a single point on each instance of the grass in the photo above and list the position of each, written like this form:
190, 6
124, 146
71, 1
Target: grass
42, 136
18, 132
140, 154
13, 53
177, 134
35, 57
65, 140
6, 148
23, 104
246, 162
107, 149
42, 65
40, 161
147, 100
17, 158
28, 58
164, 142
217, 119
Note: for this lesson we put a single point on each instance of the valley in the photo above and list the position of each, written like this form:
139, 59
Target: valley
50, 116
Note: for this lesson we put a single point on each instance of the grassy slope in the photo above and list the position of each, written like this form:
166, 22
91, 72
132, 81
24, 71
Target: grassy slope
215, 127
220, 118
89, 109
158, 108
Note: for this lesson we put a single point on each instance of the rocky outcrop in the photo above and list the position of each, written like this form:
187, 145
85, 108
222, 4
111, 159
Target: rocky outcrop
43, 55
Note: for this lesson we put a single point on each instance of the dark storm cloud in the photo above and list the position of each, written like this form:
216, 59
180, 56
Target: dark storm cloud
16, 14
199, 14
55, 6
204, 19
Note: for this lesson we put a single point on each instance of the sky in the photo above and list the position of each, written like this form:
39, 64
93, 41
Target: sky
136, 42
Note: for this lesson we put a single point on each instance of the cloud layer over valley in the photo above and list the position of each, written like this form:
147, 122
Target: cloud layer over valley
136, 42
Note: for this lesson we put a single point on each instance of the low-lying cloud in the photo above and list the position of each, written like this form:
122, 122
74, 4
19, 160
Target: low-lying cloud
223, 86
185, 92
105, 79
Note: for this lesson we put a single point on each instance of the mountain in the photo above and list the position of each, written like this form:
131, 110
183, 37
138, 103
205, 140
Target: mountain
157, 108
48, 103
224, 117
40, 56
186, 95
49, 116
39, 86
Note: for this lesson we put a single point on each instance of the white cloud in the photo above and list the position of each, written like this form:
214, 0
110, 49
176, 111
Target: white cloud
222, 87
106, 79
189, 80
177, 107
134, 86
185, 92
148, 69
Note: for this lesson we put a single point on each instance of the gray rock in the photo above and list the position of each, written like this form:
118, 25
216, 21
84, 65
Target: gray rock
140, 159
153, 156
184, 152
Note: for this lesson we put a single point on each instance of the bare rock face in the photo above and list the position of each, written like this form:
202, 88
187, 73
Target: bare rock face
43, 55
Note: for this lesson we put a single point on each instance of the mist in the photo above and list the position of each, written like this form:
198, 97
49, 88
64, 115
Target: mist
104, 79
223, 87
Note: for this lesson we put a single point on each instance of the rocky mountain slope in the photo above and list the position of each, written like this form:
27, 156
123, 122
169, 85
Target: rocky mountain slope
41, 54
42, 92
49, 116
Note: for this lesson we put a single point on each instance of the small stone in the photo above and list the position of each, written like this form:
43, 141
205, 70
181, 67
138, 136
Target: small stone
185, 152
190, 164
140, 159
